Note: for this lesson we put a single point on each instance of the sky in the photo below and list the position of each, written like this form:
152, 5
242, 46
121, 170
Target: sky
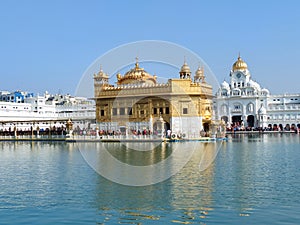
48, 45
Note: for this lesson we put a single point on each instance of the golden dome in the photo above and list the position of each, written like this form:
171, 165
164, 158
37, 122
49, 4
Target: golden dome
239, 65
136, 75
199, 72
185, 68
199, 75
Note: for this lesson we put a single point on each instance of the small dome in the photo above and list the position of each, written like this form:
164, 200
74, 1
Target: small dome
239, 65
185, 68
254, 85
119, 76
199, 72
265, 91
225, 85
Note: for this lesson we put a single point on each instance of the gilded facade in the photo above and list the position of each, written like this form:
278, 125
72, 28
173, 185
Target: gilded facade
138, 102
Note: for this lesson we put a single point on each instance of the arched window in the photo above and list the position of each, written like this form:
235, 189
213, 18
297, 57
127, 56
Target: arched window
224, 109
250, 107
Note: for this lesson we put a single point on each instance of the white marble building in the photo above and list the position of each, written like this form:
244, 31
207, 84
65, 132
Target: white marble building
243, 103
47, 110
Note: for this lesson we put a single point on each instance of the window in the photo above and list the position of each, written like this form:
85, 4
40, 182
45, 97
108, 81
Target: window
237, 107
102, 112
185, 111
161, 110
142, 112
167, 110
129, 111
115, 111
154, 110
122, 111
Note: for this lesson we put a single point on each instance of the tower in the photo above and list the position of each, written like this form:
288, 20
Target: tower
199, 75
100, 80
185, 72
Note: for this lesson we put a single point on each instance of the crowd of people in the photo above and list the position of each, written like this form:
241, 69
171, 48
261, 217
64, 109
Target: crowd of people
235, 127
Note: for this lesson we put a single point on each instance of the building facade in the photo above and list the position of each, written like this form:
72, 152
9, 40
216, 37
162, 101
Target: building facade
44, 111
243, 104
16, 96
139, 103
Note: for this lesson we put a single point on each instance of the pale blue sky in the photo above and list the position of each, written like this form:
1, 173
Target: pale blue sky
47, 45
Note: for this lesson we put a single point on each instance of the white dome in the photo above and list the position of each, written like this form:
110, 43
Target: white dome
265, 90
254, 85
225, 85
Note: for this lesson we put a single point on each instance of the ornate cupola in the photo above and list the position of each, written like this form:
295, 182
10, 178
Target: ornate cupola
100, 81
185, 71
199, 75
101, 78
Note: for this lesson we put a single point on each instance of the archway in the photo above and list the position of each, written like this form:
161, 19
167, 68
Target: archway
280, 126
250, 121
275, 128
206, 127
237, 120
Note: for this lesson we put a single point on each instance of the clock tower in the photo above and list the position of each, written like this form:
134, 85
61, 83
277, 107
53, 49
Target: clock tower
239, 74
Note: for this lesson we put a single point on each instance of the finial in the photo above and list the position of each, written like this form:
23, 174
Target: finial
239, 56
136, 62
184, 58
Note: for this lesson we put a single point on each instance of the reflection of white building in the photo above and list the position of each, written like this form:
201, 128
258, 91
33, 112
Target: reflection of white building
244, 103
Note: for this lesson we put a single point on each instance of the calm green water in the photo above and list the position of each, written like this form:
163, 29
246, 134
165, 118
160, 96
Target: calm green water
254, 180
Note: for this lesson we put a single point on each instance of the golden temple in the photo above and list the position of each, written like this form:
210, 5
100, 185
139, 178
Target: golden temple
138, 102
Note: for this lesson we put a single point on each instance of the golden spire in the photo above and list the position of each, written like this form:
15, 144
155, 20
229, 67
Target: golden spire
136, 62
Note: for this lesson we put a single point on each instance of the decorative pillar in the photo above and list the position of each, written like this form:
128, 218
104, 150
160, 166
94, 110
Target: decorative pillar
15, 131
161, 127
37, 131
151, 124
69, 126
97, 132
